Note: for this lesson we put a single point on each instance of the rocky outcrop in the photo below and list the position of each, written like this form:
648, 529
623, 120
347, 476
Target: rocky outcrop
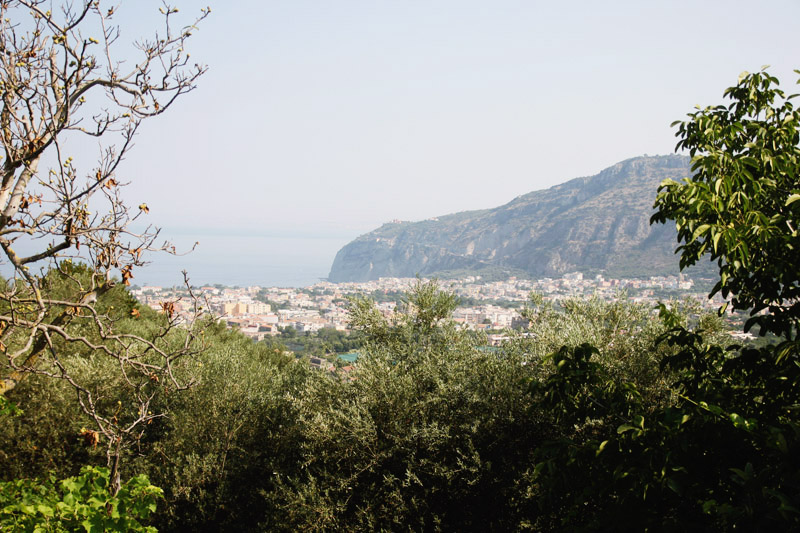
592, 225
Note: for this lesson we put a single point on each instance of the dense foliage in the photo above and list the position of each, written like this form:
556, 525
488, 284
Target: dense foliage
740, 206
430, 420
601, 416
421, 436
78, 503
326, 341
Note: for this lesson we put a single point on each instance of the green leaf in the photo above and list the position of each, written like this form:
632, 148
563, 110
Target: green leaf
45, 510
702, 228
627, 427
674, 486
601, 448
738, 421
779, 440
740, 473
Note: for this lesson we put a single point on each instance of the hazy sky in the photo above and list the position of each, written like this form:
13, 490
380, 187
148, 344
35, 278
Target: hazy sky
325, 119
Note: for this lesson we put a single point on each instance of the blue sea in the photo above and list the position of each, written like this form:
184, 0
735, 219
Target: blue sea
227, 258
243, 260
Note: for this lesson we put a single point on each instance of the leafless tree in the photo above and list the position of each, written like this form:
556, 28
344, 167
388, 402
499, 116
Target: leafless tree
61, 83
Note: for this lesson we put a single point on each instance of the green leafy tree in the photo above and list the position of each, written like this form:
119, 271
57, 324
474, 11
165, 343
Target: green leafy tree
425, 434
216, 449
79, 503
92, 400
624, 334
740, 207
435, 430
721, 455
229, 439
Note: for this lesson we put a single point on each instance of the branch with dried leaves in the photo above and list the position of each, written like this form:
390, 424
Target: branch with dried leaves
64, 76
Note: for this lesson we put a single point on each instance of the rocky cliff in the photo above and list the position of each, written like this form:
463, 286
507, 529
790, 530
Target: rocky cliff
598, 224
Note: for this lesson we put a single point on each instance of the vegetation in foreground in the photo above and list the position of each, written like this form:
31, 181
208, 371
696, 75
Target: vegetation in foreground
608, 416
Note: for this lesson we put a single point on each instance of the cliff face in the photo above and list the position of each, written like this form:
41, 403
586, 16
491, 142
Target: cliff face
594, 224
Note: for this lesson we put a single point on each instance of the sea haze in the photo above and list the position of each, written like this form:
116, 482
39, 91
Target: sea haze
229, 258
242, 259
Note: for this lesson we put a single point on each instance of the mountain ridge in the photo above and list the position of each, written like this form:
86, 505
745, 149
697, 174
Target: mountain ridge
588, 224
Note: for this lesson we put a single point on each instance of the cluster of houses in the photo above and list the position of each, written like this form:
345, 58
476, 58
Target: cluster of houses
262, 312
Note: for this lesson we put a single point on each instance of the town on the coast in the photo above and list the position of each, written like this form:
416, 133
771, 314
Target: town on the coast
492, 306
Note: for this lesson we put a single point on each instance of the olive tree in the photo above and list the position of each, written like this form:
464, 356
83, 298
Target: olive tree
430, 431
65, 79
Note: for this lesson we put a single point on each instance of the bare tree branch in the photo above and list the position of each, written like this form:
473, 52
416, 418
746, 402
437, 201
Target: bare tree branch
61, 79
